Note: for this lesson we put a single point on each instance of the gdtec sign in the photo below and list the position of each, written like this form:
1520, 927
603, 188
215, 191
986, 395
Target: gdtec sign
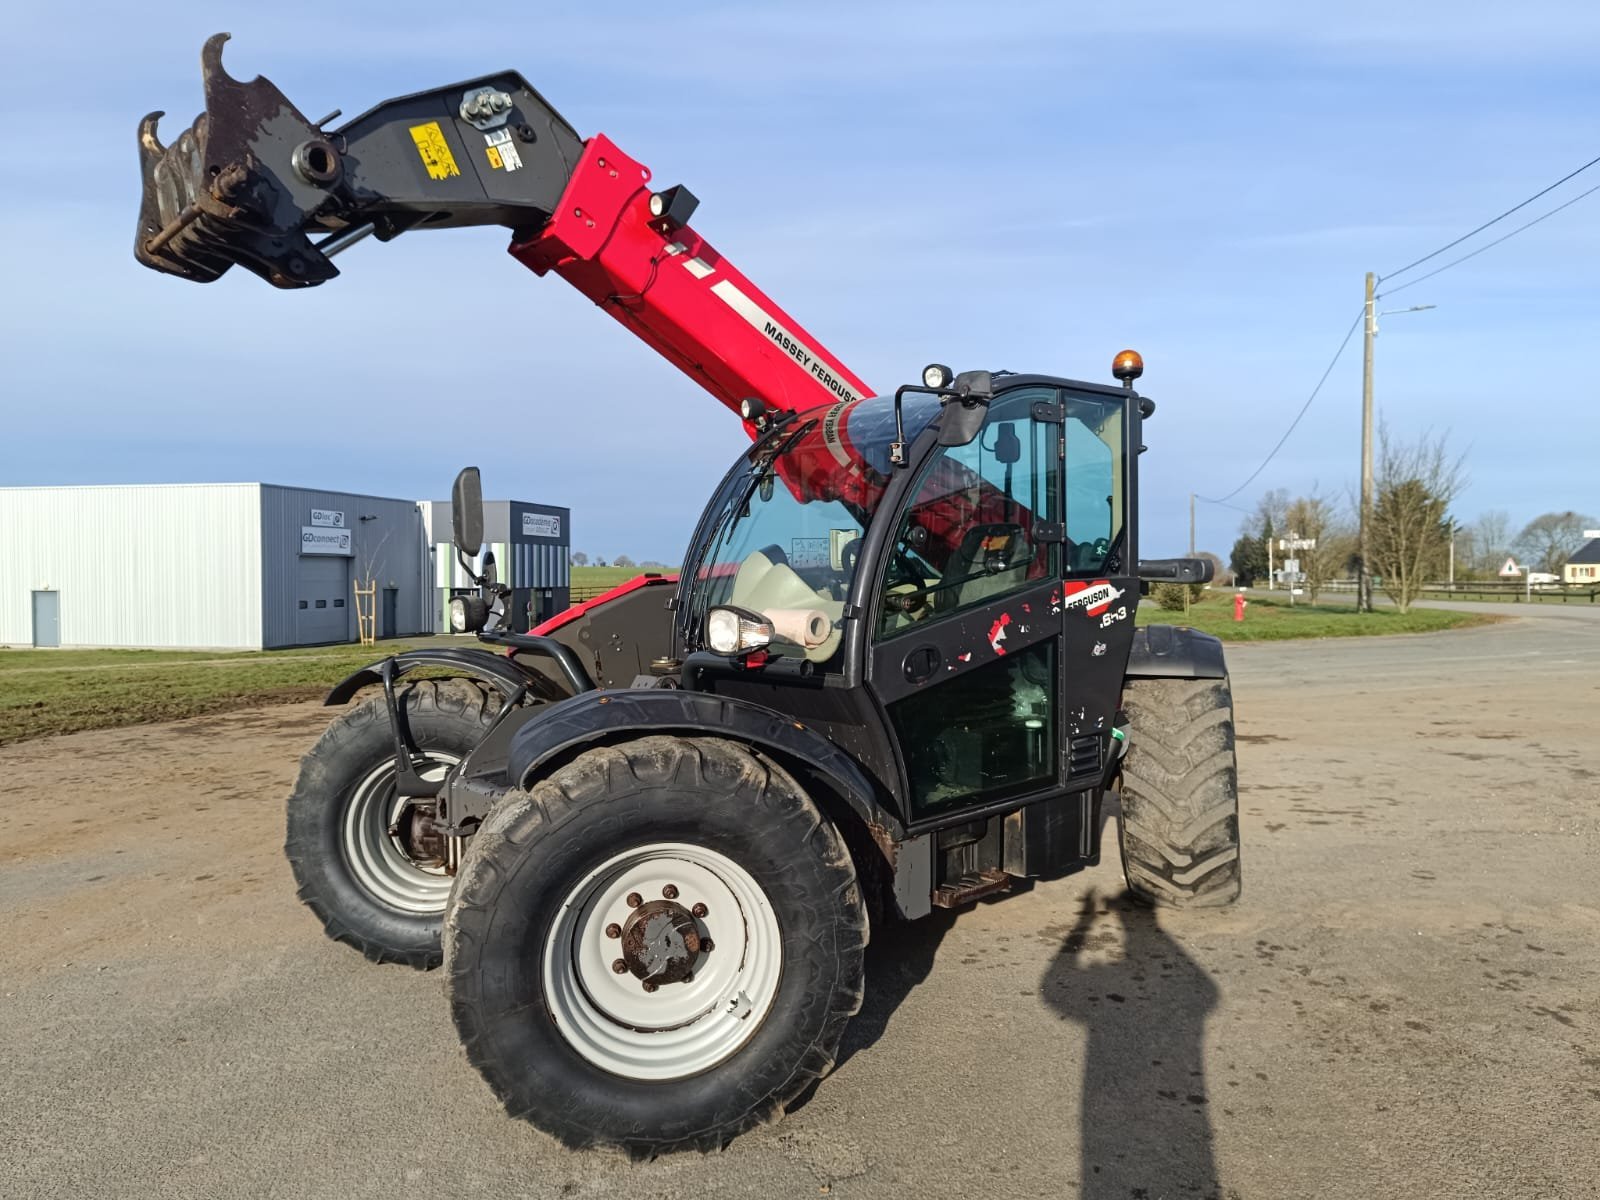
321, 540
327, 518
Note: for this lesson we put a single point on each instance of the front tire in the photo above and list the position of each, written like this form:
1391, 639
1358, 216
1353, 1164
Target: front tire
1179, 828
576, 952
377, 890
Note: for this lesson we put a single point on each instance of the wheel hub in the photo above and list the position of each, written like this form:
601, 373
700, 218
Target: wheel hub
660, 942
645, 919
418, 836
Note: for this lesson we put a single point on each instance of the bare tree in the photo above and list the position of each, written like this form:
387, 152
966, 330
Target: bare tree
1315, 518
1547, 541
580, 559
1488, 542
1408, 537
1269, 515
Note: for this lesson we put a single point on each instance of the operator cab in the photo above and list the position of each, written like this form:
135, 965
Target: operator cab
941, 580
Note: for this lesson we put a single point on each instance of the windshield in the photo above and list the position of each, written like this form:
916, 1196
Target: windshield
783, 533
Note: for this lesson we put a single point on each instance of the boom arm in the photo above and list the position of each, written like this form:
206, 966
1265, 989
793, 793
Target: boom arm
251, 181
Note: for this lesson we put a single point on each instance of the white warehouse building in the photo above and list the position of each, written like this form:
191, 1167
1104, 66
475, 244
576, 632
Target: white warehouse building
236, 566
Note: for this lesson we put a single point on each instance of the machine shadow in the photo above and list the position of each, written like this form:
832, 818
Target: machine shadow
897, 962
1145, 1125
899, 958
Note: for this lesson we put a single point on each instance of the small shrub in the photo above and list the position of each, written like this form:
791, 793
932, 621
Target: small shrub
1170, 596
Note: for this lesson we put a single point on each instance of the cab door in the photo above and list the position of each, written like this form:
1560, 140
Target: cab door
967, 654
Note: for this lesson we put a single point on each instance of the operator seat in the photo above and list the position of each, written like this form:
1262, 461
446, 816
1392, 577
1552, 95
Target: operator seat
977, 585
762, 585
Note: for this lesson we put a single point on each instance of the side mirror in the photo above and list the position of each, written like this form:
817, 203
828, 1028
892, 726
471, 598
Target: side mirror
1007, 445
965, 409
466, 511
1176, 570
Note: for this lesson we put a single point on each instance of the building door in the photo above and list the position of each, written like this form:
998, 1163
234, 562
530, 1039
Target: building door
323, 613
47, 618
391, 613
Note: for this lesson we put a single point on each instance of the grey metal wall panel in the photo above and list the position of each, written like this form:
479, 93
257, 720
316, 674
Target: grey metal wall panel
154, 565
387, 545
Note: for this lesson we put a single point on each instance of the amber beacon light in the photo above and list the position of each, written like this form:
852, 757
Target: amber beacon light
1127, 366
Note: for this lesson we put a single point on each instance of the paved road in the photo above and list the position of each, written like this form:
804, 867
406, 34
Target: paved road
1572, 610
1406, 1003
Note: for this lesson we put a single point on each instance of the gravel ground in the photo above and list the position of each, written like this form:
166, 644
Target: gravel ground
1405, 1003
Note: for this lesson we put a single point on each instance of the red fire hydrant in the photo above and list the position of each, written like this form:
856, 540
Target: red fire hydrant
1239, 603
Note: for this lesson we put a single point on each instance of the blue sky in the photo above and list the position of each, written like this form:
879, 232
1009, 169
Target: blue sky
1028, 186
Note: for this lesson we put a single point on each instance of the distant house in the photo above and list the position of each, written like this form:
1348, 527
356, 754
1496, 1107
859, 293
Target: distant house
1584, 566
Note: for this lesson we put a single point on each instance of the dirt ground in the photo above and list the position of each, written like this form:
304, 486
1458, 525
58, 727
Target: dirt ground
1405, 1003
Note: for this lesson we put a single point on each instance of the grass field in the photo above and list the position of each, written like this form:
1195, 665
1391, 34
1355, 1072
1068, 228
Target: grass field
62, 691
1274, 619
591, 581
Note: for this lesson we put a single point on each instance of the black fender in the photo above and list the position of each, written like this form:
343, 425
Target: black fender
1174, 652
507, 676
607, 716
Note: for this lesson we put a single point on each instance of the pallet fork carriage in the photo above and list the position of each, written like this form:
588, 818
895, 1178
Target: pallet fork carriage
900, 670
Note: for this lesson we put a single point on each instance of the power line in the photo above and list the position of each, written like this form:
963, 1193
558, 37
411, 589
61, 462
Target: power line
1491, 245
1224, 504
1348, 334
1486, 224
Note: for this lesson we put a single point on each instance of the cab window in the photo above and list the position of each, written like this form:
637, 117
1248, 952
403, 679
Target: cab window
971, 533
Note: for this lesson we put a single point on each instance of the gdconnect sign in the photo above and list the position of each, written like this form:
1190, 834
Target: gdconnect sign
317, 540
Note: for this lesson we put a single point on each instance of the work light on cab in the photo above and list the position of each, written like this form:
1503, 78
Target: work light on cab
731, 630
937, 375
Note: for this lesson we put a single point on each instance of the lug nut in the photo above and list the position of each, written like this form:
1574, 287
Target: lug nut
688, 976
634, 900
648, 986
699, 910
670, 892
613, 930
707, 946
620, 967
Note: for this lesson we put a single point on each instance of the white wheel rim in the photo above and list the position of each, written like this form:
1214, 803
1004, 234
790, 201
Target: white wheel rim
376, 858
681, 1028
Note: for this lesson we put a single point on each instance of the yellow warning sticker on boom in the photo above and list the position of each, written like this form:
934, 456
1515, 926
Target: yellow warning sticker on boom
435, 151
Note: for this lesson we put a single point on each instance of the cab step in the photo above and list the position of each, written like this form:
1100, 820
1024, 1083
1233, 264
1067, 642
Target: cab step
971, 887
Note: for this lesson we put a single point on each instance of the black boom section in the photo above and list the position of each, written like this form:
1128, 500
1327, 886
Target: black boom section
251, 180
602, 716
1173, 652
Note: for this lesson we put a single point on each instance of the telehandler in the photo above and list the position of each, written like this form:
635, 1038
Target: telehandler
899, 671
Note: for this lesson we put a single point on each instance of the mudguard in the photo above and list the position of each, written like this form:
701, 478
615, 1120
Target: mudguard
600, 716
1173, 652
505, 674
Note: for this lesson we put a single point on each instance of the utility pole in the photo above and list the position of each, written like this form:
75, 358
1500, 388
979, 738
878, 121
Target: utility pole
1191, 524
1364, 578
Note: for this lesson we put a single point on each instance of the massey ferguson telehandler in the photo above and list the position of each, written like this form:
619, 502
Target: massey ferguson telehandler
899, 671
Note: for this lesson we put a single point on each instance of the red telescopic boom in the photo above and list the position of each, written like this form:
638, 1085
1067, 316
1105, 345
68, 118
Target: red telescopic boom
251, 182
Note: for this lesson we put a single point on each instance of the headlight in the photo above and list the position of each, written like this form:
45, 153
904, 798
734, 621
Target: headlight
936, 375
468, 613
736, 630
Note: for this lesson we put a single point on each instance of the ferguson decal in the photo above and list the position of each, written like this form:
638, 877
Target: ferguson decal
1094, 598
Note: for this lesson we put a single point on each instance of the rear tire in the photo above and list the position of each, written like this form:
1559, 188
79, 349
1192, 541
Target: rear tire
540, 921
364, 886
1179, 828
